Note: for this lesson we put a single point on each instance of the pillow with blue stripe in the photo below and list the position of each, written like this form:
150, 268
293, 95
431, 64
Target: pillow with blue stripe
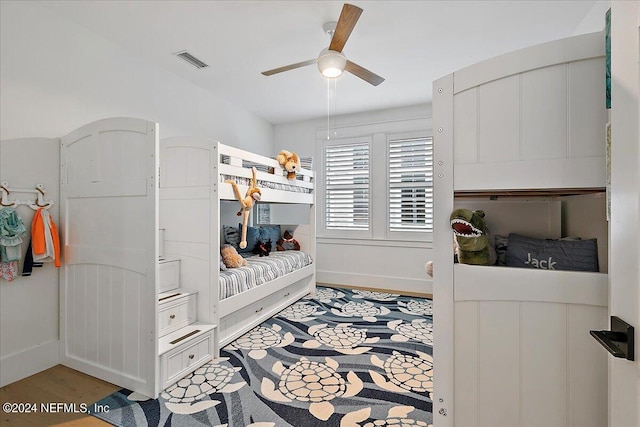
270, 232
231, 235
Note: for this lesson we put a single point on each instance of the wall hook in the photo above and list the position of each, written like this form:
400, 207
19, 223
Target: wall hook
36, 204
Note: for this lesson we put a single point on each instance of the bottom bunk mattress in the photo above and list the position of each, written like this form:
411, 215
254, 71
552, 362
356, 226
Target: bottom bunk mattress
260, 270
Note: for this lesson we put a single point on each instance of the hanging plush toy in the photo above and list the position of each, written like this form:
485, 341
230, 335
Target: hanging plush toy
289, 162
246, 203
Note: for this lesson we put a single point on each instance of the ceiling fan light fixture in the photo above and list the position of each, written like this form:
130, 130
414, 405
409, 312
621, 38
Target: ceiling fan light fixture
331, 63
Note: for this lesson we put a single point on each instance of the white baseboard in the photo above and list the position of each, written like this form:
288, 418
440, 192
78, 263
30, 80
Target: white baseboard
398, 284
17, 366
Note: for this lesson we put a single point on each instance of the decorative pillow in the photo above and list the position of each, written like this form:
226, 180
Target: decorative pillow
552, 254
231, 235
253, 237
270, 232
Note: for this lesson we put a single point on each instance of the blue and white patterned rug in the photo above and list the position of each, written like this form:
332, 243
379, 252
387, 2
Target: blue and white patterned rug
343, 358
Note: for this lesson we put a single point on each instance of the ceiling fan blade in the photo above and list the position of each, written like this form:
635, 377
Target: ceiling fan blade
347, 21
289, 67
363, 73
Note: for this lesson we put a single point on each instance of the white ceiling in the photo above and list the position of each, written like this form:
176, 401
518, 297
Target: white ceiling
409, 43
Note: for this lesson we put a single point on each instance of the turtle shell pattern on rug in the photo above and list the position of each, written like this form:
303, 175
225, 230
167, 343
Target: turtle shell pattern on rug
338, 358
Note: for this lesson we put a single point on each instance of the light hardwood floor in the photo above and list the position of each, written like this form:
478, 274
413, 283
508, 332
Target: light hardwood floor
390, 291
52, 386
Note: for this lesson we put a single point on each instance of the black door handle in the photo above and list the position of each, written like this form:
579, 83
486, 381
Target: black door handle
619, 340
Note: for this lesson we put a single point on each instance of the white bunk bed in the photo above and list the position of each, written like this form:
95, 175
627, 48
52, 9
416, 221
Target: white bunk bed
522, 136
195, 203
128, 316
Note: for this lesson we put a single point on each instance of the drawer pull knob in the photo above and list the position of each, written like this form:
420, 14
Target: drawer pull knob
259, 310
173, 316
191, 356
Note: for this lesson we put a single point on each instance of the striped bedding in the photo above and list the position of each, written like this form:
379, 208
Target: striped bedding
265, 184
260, 270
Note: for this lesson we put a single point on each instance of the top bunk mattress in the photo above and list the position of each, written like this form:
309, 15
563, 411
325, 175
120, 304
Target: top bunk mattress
265, 184
291, 185
260, 270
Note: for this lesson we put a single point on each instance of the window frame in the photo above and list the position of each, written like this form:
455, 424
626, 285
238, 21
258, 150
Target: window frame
413, 236
322, 229
377, 132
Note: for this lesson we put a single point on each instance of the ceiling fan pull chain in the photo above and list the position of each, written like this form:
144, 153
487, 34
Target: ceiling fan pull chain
335, 107
328, 107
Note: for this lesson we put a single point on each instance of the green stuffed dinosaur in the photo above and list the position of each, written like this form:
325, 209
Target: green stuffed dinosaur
470, 231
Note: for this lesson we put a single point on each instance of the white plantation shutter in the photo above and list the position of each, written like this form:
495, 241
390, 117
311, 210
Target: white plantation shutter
411, 184
347, 186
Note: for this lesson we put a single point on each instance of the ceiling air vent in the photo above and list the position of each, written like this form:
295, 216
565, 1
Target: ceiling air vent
191, 59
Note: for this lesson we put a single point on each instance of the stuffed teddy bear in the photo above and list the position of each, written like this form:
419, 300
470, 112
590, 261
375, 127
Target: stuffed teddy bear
428, 267
289, 162
287, 242
246, 203
231, 257
472, 237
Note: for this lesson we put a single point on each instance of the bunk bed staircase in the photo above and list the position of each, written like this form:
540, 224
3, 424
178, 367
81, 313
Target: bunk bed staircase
184, 344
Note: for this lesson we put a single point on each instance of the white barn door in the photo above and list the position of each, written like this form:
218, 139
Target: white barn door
624, 227
109, 211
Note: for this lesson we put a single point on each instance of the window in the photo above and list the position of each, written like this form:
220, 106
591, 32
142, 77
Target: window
410, 180
346, 168
375, 184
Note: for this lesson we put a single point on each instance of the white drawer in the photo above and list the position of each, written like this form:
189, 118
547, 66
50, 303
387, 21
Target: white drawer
188, 355
169, 275
239, 322
176, 312
295, 290
254, 312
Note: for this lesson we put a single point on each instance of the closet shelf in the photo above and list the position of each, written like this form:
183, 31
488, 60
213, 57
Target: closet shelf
538, 192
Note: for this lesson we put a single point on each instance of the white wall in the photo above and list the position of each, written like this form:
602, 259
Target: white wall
58, 76
594, 20
55, 77
29, 306
375, 263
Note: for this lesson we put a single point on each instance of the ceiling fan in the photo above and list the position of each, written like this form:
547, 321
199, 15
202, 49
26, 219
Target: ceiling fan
331, 61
